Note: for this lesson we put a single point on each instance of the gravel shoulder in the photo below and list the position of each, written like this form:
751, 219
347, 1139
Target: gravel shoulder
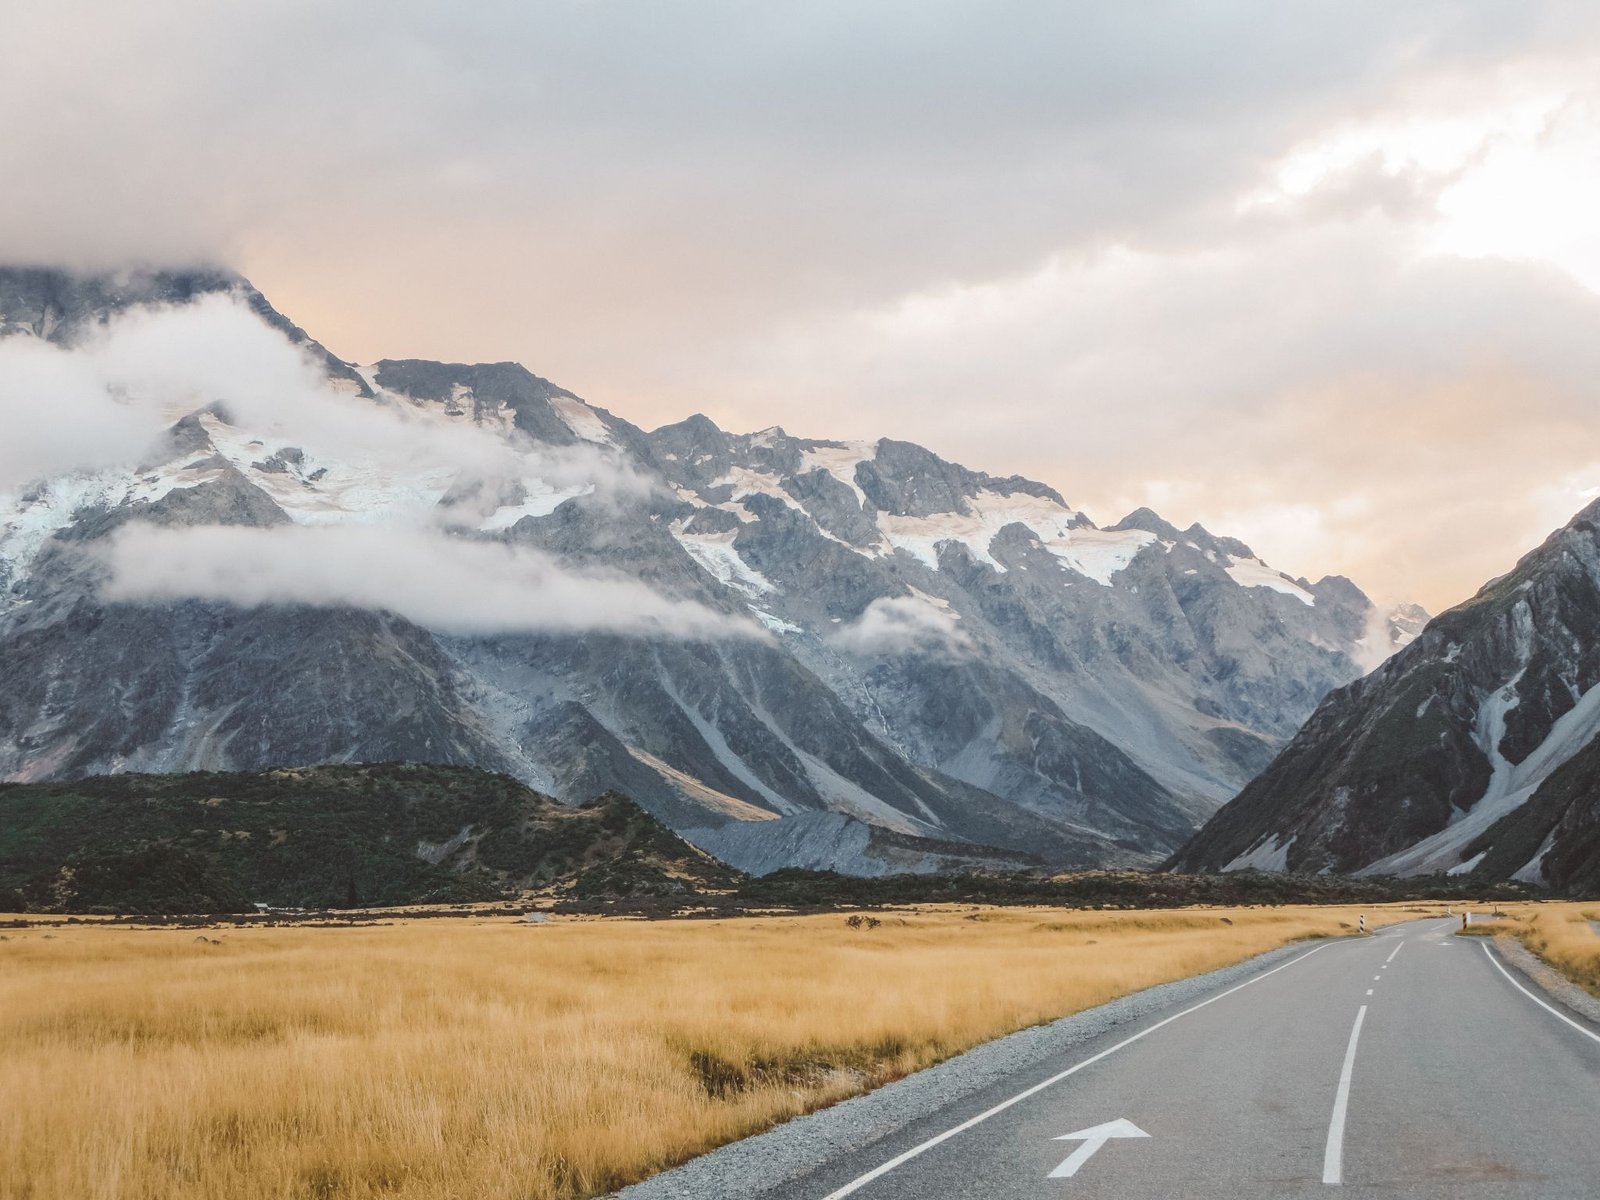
755, 1164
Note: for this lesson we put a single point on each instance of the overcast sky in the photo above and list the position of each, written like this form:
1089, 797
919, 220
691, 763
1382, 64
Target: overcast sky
1322, 276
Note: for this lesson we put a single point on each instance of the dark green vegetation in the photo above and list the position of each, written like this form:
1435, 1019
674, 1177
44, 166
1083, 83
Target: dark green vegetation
318, 837
1114, 889
392, 834
796, 890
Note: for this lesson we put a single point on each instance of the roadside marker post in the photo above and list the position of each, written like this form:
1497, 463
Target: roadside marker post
1363, 922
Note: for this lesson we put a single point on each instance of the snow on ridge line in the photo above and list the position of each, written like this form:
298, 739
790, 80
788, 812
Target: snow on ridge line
1252, 572
1097, 554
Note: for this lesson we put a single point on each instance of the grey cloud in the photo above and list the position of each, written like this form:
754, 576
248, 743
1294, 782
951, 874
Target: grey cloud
1418, 409
741, 208
833, 151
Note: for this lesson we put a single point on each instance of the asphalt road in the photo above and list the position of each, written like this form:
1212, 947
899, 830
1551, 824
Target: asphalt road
1410, 1063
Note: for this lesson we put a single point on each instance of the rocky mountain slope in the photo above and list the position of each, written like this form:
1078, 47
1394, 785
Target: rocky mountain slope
1473, 750
926, 655
317, 837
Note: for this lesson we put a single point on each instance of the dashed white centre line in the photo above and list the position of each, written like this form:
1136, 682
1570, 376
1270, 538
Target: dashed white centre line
1333, 1155
1369, 991
1392, 953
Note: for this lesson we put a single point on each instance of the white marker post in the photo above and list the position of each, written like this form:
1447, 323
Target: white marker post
1092, 1140
1363, 922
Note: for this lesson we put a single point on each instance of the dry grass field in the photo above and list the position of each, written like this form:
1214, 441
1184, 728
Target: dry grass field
494, 1058
1563, 934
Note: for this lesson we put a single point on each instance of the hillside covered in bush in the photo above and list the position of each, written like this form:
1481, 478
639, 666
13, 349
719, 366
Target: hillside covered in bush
331, 836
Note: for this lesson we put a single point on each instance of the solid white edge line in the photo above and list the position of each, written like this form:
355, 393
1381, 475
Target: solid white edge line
1333, 1155
906, 1156
1588, 1033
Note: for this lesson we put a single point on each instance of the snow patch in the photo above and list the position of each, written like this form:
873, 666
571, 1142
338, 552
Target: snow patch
1268, 854
582, 420
715, 554
1099, 554
938, 602
776, 624
333, 493
840, 461
1532, 871
31, 516
1510, 785
542, 500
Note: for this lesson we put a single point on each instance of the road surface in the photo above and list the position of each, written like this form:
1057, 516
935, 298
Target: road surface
1410, 1063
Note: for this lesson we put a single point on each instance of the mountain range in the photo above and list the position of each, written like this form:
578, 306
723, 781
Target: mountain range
838, 654
1474, 751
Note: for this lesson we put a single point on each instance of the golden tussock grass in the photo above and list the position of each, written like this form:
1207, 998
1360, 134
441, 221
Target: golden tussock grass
1562, 934
500, 1059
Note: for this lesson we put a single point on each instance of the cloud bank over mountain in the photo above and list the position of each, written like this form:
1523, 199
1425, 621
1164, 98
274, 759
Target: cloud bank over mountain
106, 400
1320, 275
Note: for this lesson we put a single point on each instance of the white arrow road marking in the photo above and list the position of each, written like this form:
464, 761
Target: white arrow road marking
1333, 1155
1092, 1140
855, 1185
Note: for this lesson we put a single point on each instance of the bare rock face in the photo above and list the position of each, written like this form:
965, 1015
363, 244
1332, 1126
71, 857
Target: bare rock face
950, 658
1471, 750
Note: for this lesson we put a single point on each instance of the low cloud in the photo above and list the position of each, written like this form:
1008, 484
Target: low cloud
443, 583
902, 625
57, 415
